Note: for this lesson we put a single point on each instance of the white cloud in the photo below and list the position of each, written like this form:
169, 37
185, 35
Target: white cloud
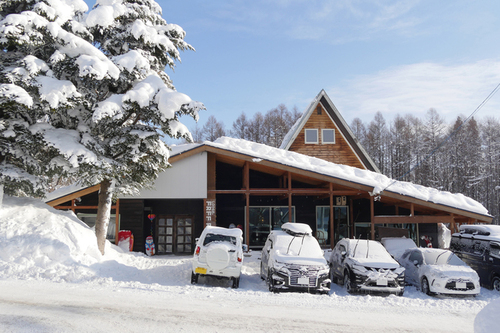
332, 21
413, 89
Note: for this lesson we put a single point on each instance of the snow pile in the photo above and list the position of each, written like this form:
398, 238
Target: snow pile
37, 241
487, 319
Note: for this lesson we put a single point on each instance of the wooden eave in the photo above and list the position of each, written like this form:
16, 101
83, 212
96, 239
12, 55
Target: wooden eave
74, 195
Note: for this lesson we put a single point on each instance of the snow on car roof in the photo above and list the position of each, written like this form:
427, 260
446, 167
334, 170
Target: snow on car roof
297, 228
235, 232
396, 246
482, 229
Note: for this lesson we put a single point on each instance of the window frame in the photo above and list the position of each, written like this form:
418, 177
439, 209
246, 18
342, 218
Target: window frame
305, 136
323, 136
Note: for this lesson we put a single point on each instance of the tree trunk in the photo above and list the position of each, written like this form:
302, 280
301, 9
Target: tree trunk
103, 213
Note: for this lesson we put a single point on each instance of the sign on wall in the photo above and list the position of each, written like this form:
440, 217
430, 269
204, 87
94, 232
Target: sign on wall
210, 212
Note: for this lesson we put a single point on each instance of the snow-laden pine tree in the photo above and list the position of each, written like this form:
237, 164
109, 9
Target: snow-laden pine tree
93, 91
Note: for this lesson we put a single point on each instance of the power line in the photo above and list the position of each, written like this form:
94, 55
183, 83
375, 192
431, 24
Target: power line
492, 93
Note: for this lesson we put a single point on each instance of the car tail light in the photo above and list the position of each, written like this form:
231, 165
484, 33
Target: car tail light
197, 251
239, 259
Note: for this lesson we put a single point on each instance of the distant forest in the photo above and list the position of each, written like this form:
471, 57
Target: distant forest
468, 163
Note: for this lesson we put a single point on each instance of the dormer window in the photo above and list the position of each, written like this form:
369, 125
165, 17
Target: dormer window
311, 135
327, 135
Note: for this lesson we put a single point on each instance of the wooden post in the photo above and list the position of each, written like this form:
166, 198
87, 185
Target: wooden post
289, 175
117, 220
332, 231
246, 185
351, 217
372, 217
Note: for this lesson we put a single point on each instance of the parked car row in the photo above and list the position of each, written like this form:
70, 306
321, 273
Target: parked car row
292, 260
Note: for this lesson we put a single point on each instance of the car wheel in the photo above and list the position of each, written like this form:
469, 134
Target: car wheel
194, 278
425, 286
347, 282
496, 283
236, 282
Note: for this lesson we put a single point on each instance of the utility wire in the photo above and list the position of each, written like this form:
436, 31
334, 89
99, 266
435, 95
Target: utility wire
492, 93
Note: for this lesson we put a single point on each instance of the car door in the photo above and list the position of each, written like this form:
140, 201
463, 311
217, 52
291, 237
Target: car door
266, 250
412, 266
337, 259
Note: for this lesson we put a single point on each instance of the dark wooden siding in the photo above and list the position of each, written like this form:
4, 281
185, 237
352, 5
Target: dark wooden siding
132, 218
340, 152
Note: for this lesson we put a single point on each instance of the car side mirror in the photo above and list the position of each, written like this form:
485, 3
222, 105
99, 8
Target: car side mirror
245, 247
343, 254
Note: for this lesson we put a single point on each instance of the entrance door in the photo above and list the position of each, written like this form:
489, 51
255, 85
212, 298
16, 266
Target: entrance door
340, 224
175, 234
265, 219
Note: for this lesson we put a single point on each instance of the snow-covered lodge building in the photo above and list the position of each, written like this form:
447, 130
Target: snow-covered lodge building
320, 176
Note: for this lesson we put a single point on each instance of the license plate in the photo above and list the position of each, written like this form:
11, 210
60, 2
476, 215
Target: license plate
382, 282
200, 270
460, 285
303, 280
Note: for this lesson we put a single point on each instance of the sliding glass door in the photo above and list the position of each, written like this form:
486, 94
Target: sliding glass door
265, 219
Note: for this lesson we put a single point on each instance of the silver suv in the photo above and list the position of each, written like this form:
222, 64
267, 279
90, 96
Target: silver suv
219, 253
293, 260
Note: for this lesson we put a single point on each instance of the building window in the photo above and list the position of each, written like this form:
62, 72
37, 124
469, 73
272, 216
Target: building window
327, 135
89, 219
311, 135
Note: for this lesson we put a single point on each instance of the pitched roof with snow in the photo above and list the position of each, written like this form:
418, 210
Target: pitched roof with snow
339, 121
377, 181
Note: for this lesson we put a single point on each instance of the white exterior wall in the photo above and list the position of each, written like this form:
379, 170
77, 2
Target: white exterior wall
186, 179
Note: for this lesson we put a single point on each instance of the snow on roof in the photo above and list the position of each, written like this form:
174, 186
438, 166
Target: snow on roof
63, 191
377, 181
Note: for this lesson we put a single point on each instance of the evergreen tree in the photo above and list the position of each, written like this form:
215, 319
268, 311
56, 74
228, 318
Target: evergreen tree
99, 98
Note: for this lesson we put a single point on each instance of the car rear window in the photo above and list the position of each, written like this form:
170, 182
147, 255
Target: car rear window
209, 238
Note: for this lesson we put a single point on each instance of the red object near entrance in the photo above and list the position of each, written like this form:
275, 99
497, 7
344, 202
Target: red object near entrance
126, 240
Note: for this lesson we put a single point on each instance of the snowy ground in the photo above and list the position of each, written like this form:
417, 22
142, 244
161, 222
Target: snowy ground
52, 279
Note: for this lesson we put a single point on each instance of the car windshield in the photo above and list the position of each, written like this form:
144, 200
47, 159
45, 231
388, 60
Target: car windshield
442, 258
209, 238
301, 246
369, 249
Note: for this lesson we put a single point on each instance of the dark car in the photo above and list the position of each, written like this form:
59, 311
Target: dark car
479, 247
365, 266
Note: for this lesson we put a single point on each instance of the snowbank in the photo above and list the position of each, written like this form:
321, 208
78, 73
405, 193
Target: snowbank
486, 320
36, 241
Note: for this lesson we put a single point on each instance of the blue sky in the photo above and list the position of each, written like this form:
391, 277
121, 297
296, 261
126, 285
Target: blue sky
369, 55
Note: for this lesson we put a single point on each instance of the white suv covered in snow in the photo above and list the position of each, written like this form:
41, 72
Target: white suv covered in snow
219, 253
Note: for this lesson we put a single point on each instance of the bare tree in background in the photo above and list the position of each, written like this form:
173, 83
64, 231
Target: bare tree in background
212, 130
